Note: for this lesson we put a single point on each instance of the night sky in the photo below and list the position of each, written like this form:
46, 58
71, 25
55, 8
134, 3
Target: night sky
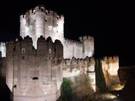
111, 23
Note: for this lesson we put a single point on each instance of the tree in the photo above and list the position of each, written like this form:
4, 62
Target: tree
66, 90
100, 80
82, 90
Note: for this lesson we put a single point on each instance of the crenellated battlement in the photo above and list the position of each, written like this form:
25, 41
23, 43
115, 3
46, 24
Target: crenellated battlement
77, 61
42, 22
41, 9
111, 59
24, 64
83, 38
47, 23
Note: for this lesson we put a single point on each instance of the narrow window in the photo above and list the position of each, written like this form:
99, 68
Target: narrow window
35, 78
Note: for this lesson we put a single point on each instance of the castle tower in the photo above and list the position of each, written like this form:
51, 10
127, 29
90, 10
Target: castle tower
34, 75
41, 22
110, 66
88, 46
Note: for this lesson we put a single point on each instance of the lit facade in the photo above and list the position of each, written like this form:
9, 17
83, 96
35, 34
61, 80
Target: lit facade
34, 75
110, 67
37, 62
41, 22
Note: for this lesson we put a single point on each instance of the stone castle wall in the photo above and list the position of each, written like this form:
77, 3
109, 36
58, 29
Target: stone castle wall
41, 22
74, 67
110, 67
37, 62
34, 73
3, 49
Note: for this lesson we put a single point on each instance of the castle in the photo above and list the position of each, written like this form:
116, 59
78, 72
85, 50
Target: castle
41, 22
40, 59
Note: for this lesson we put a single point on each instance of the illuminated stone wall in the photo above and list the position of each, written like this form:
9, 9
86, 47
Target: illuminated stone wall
41, 22
74, 67
3, 49
37, 62
34, 62
110, 66
34, 75
72, 49
88, 46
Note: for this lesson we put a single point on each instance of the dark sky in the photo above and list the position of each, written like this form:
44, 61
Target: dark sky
111, 23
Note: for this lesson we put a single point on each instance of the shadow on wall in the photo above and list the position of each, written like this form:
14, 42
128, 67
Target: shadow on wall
5, 93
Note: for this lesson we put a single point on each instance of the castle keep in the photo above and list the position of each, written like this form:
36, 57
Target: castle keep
37, 62
41, 22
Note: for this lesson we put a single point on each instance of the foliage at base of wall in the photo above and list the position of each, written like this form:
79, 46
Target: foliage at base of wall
77, 89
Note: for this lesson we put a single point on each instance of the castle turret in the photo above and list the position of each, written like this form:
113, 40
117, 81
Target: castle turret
110, 66
88, 46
